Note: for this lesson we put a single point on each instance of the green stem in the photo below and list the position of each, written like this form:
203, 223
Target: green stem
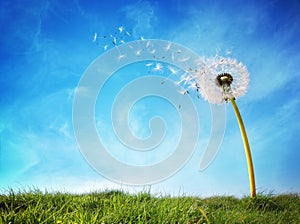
247, 148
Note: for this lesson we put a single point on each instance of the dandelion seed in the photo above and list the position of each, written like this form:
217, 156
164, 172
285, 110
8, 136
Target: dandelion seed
147, 44
152, 51
121, 56
158, 67
184, 59
193, 85
121, 28
114, 41
185, 79
142, 38
95, 37
168, 47
173, 70
105, 47
184, 92
138, 52
149, 64
122, 41
228, 52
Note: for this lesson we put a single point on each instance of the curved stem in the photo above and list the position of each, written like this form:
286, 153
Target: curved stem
247, 148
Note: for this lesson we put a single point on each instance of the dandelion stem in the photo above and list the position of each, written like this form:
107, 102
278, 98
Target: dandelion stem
247, 148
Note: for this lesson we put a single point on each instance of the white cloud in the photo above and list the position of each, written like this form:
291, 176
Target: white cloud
272, 129
143, 16
64, 129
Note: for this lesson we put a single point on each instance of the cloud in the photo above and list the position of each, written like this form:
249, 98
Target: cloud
274, 123
142, 14
64, 129
17, 153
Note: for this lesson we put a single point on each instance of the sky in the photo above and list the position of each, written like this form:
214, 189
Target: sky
47, 47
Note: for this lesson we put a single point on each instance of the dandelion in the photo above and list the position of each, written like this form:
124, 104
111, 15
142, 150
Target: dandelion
223, 80
212, 91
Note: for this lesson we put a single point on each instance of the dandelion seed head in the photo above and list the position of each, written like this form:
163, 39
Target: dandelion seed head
210, 88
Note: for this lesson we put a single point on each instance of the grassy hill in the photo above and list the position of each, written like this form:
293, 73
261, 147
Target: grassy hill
119, 207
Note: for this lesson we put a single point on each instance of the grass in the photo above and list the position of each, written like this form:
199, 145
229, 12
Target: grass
119, 207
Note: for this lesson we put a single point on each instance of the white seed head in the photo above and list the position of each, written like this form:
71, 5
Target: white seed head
206, 78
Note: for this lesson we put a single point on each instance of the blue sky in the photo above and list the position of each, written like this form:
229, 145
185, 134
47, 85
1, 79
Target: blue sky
46, 46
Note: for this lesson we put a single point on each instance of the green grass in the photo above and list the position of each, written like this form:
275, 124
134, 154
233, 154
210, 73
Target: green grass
119, 207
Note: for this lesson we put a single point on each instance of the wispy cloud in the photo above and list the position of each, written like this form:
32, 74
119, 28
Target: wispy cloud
64, 129
142, 13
